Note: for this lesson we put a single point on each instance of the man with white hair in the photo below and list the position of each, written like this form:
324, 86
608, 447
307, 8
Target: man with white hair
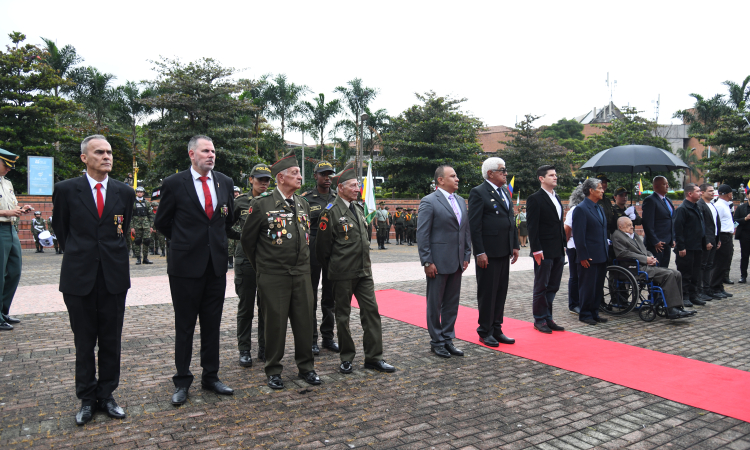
495, 241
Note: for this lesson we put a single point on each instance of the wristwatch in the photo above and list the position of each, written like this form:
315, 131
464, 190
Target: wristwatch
427, 264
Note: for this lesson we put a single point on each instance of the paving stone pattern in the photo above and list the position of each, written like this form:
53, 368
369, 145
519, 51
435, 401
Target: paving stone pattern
486, 399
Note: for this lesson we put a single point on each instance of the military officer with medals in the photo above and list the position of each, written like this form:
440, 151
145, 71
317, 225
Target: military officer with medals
275, 238
381, 221
621, 208
399, 224
245, 282
318, 197
344, 251
141, 225
409, 226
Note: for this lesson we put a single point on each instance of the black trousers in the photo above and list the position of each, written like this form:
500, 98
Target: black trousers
722, 261
663, 256
744, 255
492, 290
590, 288
707, 267
573, 294
547, 276
96, 319
327, 304
194, 298
400, 233
690, 268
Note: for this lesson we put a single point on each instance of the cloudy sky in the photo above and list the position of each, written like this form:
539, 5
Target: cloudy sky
508, 58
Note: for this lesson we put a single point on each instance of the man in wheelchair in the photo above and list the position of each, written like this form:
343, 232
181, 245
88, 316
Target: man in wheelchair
629, 246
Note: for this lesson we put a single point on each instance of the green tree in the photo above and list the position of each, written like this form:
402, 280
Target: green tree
259, 95
94, 91
528, 150
61, 60
356, 98
564, 129
319, 114
130, 110
689, 158
284, 101
433, 132
375, 125
28, 110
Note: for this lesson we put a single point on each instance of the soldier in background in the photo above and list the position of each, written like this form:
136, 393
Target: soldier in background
390, 224
621, 209
142, 225
319, 198
159, 241
232, 244
37, 226
52, 232
399, 224
381, 222
409, 226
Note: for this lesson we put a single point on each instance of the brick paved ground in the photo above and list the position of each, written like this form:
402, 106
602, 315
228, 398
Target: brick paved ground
485, 400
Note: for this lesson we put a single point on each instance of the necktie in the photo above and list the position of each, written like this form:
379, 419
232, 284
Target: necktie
353, 210
669, 207
99, 199
290, 202
502, 196
207, 195
599, 210
455, 208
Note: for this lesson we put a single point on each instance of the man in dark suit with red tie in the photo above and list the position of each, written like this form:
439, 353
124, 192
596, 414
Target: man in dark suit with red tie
92, 216
547, 239
657, 222
495, 241
196, 213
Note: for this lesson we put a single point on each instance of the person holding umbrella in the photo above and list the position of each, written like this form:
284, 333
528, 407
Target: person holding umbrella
657, 221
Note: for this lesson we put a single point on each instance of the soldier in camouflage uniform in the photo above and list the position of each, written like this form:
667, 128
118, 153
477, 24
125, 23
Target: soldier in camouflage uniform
159, 240
37, 226
232, 244
142, 225
52, 232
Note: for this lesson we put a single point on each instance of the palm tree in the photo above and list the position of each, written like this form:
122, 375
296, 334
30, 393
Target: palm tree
130, 109
60, 59
318, 115
284, 101
94, 92
375, 123
738, 94
356, 98
689, 158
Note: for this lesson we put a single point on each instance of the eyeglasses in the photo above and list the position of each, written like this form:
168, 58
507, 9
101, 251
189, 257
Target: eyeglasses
503, 170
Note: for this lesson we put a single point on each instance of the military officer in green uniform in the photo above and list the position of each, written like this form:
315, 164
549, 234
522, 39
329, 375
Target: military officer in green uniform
245, 284
52, 232
415, 216
399, 224
232, 244
621, 208
409, 225
382, 224
37, 226
275, 238
390, 224
318, 198
344, 251
141, 225
10, 246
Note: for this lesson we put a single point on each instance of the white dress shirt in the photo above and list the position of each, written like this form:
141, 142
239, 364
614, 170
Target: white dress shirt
93, 184
552, 197
715, 213
199, 187
725, 215
499, 191
448, 196
569, 223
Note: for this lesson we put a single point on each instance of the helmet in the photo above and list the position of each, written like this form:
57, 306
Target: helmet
140, 189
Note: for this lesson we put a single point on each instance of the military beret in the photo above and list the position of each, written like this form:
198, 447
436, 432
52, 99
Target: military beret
289, 160
261, 170
621, 190
8, 158
347, 174
323, 166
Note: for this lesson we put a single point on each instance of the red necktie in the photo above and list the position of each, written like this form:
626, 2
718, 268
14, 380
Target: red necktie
207, 196
99, 199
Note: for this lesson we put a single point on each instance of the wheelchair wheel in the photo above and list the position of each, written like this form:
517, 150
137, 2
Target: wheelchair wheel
647, 313
661, 311
621, 291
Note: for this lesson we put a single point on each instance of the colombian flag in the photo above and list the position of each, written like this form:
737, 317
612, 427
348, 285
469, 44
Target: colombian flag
747, 188
510, 186
640, 186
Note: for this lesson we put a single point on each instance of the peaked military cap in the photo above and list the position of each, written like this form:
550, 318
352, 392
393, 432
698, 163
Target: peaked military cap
323, 166
8, 158
261, 170
347, 174
620, 190
289, 160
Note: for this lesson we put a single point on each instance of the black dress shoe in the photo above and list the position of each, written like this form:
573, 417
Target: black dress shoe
218, 387
503, 339
717, 295
246, 358
697, 301
380, 366
674, 313
589, 321
274, 382
310, 378
440, 351
742, 280
10, 319
331, 345
84, 415
453, 350
728, 281
703, 297
110, 407
554, 327
316, 349
601, 319
5, 326
262, 354
346, 367
489, 341
542, 327
180, 396
726, 294
686, 303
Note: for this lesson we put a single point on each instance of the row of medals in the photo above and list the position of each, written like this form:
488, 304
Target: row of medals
279, 222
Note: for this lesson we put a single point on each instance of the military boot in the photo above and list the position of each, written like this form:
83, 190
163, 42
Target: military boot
162, 252
137, 260
230, 263
145, 260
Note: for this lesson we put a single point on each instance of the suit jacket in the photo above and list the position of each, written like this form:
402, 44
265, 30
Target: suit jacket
657, 221
440, 238
743, 229
689, 228
590, 232
89, 240
546, 228
194, 237
626, 248
710, 219
493, 227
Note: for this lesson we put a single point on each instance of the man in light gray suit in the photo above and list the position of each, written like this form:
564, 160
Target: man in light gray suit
444, 243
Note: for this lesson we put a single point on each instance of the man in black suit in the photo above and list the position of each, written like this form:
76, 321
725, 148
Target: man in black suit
547, 237
196, 213
92, 216
657, 222
690, 242
712, 228
495, 241
590, 236
742, 234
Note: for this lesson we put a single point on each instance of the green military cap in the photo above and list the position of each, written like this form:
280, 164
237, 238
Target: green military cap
347, 174
399, 207
386, 208
8, 158
603, 177
289, 160
382, 203
260, 171
621, 190
323, 166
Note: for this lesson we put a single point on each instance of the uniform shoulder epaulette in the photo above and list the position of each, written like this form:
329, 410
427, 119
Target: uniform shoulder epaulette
306, 193
329, 206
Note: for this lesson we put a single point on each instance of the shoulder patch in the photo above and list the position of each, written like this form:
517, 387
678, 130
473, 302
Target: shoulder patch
322, 226
329, 206
265, 194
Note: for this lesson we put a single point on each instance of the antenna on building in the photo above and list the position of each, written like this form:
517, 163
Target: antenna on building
611, 87
656, 107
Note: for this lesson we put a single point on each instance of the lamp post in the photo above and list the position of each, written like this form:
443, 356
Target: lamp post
361, 150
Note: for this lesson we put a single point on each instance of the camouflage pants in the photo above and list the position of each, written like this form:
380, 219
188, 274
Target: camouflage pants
142, 236
232, 246
159, 241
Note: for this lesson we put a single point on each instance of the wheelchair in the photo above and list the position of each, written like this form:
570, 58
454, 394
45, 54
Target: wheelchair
627, 287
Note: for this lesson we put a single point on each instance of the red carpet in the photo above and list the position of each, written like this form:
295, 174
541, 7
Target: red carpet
714, 388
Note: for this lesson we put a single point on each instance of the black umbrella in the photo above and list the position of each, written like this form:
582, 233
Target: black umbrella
634, 159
